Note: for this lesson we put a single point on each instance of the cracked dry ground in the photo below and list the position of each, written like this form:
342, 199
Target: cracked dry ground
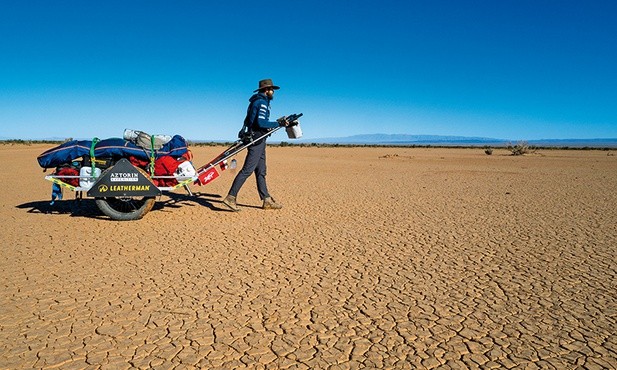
381, 258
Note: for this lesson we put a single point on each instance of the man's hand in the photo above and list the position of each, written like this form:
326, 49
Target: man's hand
283, 121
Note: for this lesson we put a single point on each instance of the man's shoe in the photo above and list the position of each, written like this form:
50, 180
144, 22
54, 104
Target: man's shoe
230, 202
269, 203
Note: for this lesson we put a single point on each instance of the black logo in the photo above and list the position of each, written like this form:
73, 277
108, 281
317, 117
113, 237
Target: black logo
123, 180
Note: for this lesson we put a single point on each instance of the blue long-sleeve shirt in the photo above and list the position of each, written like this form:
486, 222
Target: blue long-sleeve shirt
259, 113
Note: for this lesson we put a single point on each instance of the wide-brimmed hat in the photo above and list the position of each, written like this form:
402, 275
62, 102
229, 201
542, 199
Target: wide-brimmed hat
267, 83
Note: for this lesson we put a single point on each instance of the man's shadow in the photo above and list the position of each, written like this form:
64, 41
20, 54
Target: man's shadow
176, 200
213, 201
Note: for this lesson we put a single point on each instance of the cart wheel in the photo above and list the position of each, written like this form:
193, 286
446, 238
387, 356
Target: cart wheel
125, 208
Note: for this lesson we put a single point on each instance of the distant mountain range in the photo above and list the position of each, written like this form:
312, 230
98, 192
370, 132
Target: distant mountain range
439, 140
394, 139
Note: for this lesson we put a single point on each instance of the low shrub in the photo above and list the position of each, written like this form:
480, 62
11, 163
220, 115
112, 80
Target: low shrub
520, 148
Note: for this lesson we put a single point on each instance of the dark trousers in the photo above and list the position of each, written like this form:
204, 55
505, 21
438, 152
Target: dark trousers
255, 162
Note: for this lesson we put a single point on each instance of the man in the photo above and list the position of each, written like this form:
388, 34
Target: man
257, 122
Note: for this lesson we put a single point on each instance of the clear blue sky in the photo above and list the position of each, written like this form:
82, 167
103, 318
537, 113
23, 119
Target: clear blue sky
508, 69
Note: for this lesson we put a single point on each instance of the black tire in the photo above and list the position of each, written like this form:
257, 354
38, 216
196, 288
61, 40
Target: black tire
125, 208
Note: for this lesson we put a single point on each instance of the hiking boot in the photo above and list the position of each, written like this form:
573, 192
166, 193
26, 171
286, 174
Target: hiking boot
230, 202
270, 203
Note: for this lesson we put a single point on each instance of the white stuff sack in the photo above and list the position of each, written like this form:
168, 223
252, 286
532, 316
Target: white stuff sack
294, 132
87, 177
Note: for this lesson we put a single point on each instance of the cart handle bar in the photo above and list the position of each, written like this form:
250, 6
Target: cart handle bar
236, 148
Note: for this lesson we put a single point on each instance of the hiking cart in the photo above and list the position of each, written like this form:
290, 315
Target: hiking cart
126, 192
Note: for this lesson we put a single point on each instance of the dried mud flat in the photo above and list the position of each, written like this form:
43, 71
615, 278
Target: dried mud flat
381, 258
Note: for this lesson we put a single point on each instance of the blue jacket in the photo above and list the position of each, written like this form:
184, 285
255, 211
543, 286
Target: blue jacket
258, 114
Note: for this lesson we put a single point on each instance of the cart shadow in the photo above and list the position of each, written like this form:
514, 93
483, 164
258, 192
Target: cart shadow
72, 207
87, 207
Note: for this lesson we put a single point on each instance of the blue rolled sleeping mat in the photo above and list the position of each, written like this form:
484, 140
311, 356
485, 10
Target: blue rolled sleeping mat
115, 148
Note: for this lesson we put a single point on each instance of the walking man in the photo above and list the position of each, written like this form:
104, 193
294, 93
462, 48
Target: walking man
258, 123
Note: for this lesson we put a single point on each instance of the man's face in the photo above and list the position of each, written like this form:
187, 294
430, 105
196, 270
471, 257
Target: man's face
270, 93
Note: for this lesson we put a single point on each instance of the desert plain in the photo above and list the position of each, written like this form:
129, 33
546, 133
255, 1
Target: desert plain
395, 258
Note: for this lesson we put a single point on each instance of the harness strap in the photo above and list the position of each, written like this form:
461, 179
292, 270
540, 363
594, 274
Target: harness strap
152, 155
92, 156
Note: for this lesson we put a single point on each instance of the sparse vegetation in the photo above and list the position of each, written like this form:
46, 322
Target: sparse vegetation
30, 142
520, 148
488, 150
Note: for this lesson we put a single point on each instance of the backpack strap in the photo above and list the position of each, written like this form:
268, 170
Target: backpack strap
246, 134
